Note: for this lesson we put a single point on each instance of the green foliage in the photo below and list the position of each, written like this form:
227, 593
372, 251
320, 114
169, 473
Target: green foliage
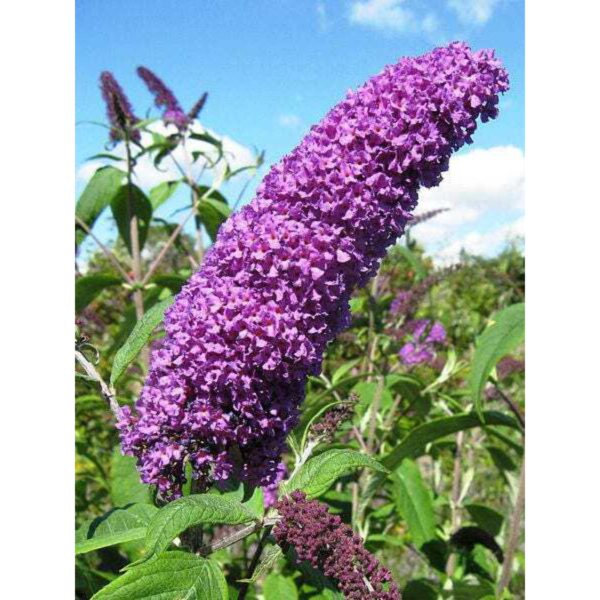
318, 474
414, 502
138, 338
129, 202
176, 517
170, 576
277, 587
97, 195
116, 526
502, 337
125, 485
88, 287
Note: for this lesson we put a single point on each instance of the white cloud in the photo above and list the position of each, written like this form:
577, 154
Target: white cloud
322, 17
482, 244
481, 187
392, 16
474, 12
146, 174
289, 120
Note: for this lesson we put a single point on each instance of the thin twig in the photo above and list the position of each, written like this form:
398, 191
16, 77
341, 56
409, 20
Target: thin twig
236, 536
169, 243
511, 404
514, 534
371, 441
134, 238
108, 253
107, 392
254, 563
455, 497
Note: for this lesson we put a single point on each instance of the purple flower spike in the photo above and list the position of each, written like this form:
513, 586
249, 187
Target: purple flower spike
164, 98
330, 546
118, 109
252, 324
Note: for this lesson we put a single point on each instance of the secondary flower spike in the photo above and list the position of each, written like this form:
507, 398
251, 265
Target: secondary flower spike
253, 322
164, 98
329, 545
118, 108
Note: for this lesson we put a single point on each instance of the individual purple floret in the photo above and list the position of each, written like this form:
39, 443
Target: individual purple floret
330, 546
426, 337
118, 109
253, 323
164, 98
271, 491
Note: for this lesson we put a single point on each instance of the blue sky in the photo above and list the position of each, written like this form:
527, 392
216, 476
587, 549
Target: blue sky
274, 67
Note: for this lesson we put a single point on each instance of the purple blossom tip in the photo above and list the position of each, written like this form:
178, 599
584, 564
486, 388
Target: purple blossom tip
242, 336
164, 98
330, 546
118, 109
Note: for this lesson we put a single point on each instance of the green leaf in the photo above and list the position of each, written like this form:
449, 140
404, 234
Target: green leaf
172, 282
176, 517
256, 503
162, 192
138, 338
89, 286
270, 558
171, 576
420, 589
115, 527
505, 334
343, 370
212, 214
127, 202
278, 587
318, 474
414, 502
96, 196
487, 518
125, 484
473, 590
414, 443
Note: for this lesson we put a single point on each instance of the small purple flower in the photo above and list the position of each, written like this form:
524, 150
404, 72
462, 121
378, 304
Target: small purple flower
243, 335
118, 109
330, 546
165, 99
425, 338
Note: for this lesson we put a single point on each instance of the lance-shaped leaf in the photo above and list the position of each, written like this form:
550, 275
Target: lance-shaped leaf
176, 517
270, 557
170, 576
89, 286
96, 196
212, 213
115, 527
138, 338
414, 502
505, 334
159, 194
130, 201
318, 474
414, 443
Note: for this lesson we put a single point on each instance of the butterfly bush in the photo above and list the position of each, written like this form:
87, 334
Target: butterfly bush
251, 325
329, 545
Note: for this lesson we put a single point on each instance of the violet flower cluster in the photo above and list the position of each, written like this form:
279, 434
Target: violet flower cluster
329, 423
253, 323
425, 338
165, 99
118, 109
330, 546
